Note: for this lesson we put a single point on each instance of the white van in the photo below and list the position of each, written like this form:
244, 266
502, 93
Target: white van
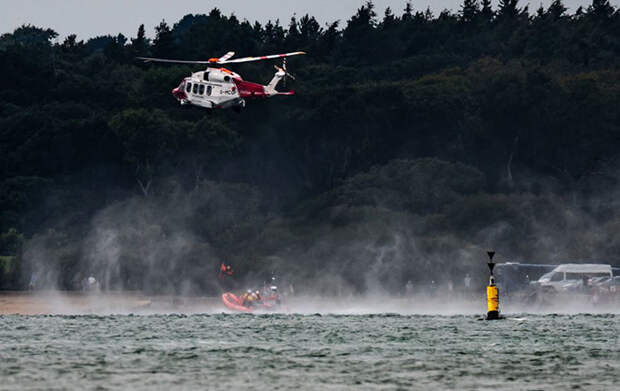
573, 275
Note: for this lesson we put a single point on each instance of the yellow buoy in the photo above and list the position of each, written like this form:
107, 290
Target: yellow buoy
492, 301
492, 292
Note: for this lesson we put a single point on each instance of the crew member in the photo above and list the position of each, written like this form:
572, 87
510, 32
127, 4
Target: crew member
247, 298
252, 299
275, 295
225, 270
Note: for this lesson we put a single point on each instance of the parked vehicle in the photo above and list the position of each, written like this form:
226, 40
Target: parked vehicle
572, 277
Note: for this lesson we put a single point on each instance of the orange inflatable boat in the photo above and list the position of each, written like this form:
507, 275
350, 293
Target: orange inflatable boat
235, 303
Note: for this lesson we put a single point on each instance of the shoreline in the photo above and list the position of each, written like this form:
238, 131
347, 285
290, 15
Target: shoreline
76, 302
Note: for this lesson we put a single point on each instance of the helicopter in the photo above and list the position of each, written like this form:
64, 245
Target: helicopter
221, 88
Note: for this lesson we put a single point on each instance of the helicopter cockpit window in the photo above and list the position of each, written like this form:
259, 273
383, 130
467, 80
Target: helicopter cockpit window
201, 89
209, 90
195, 89
205, 76
188, 87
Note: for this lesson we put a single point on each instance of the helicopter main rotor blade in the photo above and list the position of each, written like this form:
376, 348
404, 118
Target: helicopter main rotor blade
225, 57
248, 59
150, 59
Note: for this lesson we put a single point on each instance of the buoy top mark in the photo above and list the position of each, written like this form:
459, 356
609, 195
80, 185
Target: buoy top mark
491, 263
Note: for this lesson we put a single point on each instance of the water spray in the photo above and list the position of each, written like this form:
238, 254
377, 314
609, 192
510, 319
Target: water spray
492, 291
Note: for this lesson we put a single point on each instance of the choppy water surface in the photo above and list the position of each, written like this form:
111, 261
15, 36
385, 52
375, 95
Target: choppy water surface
309, 352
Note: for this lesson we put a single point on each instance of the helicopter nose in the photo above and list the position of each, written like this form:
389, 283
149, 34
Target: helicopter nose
178, 93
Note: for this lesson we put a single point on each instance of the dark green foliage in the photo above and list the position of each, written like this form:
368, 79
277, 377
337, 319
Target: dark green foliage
413, 141
140, 45
163, 45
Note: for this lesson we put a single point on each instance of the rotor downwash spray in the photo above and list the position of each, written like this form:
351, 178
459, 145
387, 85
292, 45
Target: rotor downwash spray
492, 291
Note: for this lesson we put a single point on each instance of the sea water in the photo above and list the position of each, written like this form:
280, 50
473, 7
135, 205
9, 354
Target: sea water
309, 352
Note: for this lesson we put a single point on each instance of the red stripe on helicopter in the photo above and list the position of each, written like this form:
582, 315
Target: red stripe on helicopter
248, 89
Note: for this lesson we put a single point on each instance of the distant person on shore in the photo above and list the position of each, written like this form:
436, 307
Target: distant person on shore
585, 284
467, 282
433, 288
409, 288
92, 284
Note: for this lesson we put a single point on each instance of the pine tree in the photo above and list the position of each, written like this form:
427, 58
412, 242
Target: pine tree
487, 11
140, 43
508, 9
115, 49
428, 14
359, 40
556, 10
293, 35
309, 29
408, 12
364, 17
389, 20
329, 39
70, 42
601, 9
469, 10
163, 45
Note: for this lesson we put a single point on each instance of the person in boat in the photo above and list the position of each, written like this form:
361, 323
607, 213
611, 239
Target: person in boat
250, 298
245, 298
225, 270
275, 295
266, 290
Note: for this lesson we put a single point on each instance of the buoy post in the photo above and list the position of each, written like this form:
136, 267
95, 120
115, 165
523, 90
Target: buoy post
492, 291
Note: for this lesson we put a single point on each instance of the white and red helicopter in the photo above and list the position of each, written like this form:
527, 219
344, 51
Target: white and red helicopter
223, 88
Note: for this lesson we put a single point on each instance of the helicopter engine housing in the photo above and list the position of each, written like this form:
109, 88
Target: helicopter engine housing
217, 77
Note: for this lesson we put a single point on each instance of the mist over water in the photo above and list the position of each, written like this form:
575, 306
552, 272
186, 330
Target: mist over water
422, 221
442, 304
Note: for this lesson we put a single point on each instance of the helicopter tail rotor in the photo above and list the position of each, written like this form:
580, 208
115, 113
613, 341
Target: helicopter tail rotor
283, 70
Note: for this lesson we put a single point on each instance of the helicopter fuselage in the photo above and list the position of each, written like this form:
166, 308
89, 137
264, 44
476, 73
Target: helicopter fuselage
221, 88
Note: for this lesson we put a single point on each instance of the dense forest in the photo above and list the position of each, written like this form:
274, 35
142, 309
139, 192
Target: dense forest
415, 142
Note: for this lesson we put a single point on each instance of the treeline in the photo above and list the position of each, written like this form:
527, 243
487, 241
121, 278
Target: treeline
414, 141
